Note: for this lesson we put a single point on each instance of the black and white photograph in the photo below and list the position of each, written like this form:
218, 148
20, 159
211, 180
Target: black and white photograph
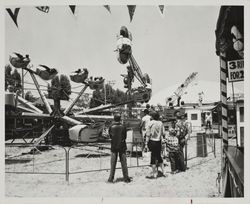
124, 100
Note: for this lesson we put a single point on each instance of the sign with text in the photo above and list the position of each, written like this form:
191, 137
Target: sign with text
235, 70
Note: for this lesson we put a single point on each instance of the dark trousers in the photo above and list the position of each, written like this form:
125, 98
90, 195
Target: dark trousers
123, 160
155, 148
177, 161
182, 165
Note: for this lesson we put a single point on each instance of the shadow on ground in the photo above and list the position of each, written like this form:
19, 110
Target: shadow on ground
92, 155
17, 161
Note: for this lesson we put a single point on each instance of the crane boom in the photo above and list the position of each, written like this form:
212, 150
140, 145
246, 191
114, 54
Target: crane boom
136, 70
181, 89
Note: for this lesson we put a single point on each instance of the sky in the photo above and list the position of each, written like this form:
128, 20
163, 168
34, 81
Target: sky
168, 47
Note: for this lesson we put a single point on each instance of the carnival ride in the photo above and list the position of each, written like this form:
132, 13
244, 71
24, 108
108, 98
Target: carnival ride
84, 126
169, 112
180, 91
124, 55
56, 118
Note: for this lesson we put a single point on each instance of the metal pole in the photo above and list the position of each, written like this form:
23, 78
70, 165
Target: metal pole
186, 153
22, 84
67, 163
203, 144
68, 109
33, 162
214, 146
136, 155
131, 153
100, 158
105, 97
46, 103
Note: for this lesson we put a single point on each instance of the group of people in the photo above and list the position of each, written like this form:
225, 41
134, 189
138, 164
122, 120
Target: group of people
156, 138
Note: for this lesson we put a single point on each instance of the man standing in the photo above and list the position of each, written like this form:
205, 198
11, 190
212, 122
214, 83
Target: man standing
182, 133
144, 123
208, 120
118, 135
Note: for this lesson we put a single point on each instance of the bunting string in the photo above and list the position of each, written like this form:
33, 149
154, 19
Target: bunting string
45, 9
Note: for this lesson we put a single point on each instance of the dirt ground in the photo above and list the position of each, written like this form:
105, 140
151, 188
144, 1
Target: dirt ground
89, 171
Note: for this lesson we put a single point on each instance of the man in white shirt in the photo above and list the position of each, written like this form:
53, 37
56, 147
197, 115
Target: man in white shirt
144, 123
208, 120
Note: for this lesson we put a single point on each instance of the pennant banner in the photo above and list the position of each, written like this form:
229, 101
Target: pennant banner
13, 15
131, 10
44, 9
161, 7
108, 8
72, 8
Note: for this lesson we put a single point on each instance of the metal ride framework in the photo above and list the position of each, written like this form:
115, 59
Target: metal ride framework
37, 113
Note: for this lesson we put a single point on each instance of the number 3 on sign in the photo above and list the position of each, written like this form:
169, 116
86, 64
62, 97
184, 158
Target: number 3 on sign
235, 70
236, 64
232, 65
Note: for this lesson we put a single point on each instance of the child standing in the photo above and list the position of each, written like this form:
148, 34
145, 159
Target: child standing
173, 146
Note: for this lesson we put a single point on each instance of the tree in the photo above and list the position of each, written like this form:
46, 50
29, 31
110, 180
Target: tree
60, 89
83, 101
97, 99
112, 96
16, 81
65, 87
13, 79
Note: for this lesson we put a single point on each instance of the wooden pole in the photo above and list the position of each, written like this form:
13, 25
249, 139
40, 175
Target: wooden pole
223, 97
224, 124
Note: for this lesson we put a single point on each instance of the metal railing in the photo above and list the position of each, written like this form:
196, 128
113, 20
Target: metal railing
102, 148
34, 149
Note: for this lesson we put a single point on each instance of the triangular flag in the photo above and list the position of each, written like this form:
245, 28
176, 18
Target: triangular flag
131, 10
13, 15
72, 8
108, 8
161, 7
44, 9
